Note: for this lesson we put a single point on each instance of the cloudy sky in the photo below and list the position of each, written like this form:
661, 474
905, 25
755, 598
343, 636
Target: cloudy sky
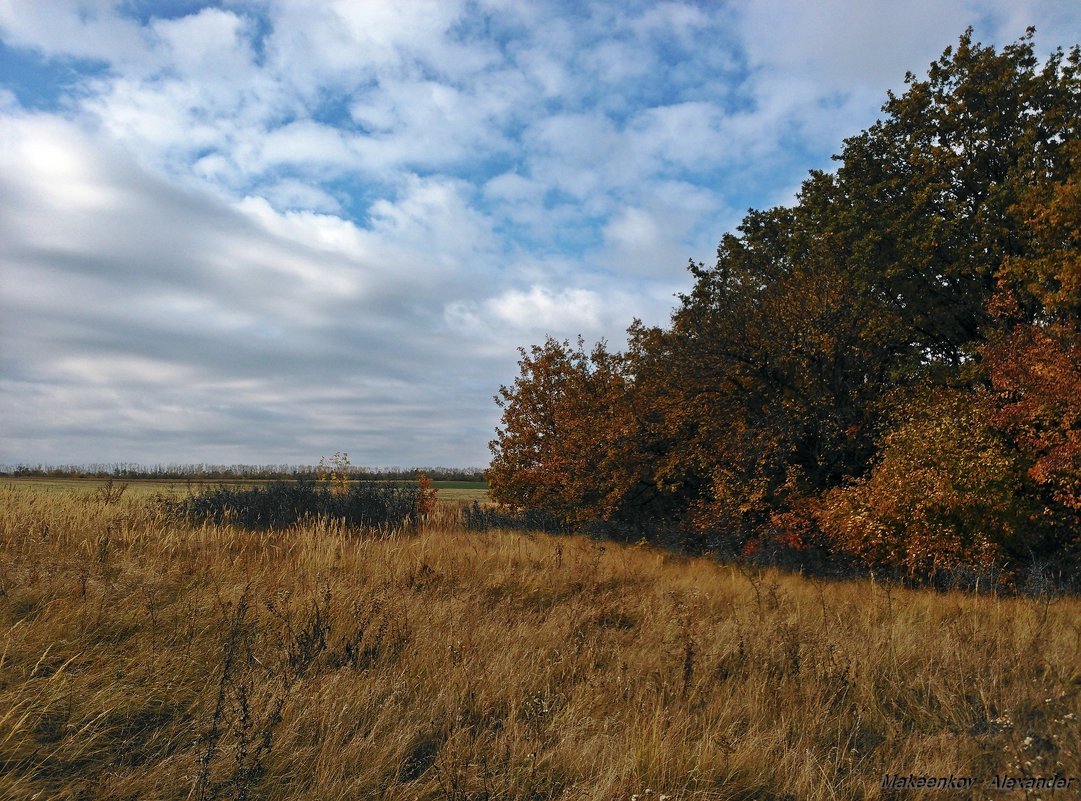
264, 231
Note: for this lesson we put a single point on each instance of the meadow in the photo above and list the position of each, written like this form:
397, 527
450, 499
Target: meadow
143, 657
171, 487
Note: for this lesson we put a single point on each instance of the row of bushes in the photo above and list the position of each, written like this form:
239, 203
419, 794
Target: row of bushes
383, 506
1036, 578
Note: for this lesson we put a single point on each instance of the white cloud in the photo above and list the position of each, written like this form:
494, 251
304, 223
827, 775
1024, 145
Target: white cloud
511, 187
206, 45
682, 134
842, 45
547, 310
302, 142
638, 239
294, 194
83, 28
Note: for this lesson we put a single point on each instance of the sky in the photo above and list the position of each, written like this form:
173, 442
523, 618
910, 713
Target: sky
264, 231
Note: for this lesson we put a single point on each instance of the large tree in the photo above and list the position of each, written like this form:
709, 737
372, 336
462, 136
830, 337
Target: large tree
928, 291
932, 194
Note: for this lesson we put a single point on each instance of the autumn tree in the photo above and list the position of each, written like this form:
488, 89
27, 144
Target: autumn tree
771, 373
962, 218
932, 192
1034, 361
887, 368
569, 442
943, 491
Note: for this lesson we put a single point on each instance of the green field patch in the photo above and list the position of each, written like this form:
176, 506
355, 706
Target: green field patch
461, 485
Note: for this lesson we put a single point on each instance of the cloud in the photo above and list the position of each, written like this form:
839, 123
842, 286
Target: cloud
331, 43
543, 309
90, 30
294, 194
153, 297
206, 45
840, 45
641, 241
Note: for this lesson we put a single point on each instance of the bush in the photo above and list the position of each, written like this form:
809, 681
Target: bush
944, 494
482, 518
367, 504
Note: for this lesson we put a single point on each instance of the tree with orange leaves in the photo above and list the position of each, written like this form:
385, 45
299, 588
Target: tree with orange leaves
888, 368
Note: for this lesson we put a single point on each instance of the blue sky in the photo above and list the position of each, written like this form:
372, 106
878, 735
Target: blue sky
265, 231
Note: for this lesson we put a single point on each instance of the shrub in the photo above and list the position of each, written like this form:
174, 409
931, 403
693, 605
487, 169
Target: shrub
943, 495
481, 518
367, 504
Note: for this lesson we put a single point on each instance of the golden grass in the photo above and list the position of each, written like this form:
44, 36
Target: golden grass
142, 658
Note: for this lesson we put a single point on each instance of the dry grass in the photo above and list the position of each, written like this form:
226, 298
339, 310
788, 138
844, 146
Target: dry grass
144, 659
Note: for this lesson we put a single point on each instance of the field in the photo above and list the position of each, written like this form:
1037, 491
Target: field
143, 658
149, 487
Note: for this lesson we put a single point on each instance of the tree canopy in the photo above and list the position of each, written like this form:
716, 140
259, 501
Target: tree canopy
888, 370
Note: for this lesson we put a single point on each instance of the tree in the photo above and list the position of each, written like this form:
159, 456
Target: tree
568, 442
1033, 363
772, 371
943, 491
932, 190
889, 367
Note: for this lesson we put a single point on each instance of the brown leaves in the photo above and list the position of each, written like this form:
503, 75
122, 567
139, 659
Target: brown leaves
941, 495
427, 495
1036, 372
1048, 275
893, 363
568, 443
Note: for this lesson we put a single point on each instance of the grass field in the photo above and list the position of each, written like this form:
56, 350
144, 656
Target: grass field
142, 658
148, 487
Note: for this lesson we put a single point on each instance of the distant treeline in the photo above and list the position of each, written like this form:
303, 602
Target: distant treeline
265, 472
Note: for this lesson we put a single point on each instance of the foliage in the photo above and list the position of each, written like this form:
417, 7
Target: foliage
1044, 283
283, 504
932, 193
776, 363
943, 492
1036, 372
886, 369
569, 441
427, 495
